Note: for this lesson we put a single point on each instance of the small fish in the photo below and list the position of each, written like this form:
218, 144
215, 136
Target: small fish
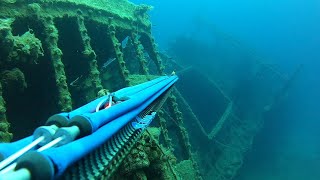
108, 62
124, 42
75, 82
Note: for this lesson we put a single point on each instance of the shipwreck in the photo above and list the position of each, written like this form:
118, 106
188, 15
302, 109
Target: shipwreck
58, 55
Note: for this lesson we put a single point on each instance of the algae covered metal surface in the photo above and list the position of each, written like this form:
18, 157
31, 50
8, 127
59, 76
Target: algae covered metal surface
54, 58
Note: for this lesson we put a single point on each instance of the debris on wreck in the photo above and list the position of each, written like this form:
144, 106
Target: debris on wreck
238, 96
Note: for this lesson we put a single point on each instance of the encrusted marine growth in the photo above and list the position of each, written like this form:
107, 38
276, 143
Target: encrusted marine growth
93, 84
14, 51
119, 55
151, 48
18, 49
148, 160
184, 137
12, 81
140, 53
27, 48
64, 96
97, 27
165, 132
5, 136
6, 39
240, 138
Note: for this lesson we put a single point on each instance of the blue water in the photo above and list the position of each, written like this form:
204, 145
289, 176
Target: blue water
284, 32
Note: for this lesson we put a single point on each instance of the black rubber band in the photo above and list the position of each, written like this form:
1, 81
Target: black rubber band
83, 124
58, 120
39, 166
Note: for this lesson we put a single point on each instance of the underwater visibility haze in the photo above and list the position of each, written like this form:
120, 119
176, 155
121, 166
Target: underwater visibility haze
169, 89
285, 33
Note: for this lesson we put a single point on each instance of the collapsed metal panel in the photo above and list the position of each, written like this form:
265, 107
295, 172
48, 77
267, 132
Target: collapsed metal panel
206, 99
252, 86
220, 152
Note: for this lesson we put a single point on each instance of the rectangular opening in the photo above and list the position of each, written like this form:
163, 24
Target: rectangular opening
28, 88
